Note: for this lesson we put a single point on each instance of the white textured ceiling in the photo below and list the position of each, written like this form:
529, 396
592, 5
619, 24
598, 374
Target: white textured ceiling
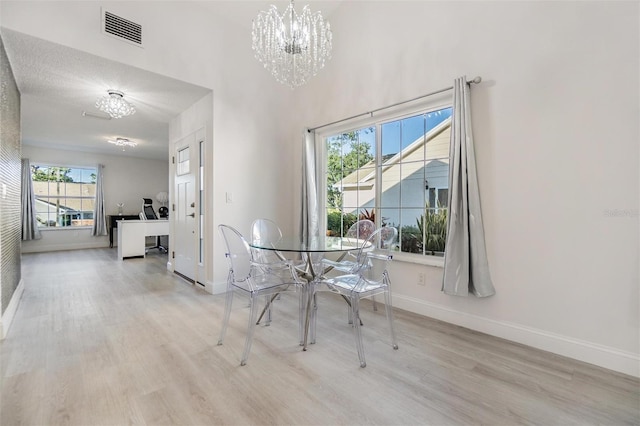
58, 83
242, 12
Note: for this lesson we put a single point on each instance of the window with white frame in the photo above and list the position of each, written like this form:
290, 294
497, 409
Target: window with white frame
396, 173
65, 196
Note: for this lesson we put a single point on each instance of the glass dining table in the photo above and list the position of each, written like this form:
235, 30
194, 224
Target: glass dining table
312, 251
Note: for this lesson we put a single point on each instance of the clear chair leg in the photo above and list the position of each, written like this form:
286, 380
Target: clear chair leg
227, 314
314, 318
350, 311
355, 307
253, 315
301, 316
389, 311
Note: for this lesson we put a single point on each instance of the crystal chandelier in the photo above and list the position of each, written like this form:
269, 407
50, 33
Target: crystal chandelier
115, 105
293, 47
123, 142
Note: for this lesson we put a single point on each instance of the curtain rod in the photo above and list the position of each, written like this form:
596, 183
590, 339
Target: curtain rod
475, 81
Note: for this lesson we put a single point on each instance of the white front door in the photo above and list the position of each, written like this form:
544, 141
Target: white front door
186, 217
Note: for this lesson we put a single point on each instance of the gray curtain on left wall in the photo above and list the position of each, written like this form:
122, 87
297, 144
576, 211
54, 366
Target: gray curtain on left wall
99, 218
30, 229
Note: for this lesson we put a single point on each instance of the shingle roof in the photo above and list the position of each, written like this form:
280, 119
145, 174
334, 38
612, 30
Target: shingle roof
364, 176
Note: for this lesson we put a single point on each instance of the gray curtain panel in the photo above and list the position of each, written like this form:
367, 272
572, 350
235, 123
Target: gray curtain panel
30, 229
310, 220
99, 219
466, 268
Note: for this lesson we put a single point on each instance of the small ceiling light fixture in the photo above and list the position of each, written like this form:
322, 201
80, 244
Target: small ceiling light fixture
292, 47
123, 142
92, 115
115, 105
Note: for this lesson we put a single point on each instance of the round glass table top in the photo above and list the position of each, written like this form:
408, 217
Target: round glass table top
320, 244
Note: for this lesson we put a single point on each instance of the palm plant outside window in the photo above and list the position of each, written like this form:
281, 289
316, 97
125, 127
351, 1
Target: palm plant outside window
395, 173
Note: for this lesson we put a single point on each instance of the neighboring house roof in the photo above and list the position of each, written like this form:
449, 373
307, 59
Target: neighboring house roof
49, 207
363, 172
364, 177
70, 194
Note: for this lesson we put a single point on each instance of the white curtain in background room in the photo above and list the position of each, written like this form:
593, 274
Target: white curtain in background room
30, 229
99, 218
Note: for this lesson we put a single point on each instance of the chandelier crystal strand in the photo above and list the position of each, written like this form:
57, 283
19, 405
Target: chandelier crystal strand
292, 47
115, 105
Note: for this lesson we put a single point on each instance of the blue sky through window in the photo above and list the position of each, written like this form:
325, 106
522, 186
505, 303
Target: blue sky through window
398, 134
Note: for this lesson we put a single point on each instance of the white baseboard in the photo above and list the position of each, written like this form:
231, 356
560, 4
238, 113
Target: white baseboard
216, 287
10, 312
61, 247
600, 355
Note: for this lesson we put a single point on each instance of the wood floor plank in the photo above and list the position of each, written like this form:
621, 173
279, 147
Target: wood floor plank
98, 341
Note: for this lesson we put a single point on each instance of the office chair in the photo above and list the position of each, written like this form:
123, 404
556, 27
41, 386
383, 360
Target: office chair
148, 213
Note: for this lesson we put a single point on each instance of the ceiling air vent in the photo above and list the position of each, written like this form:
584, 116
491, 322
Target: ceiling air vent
122, 28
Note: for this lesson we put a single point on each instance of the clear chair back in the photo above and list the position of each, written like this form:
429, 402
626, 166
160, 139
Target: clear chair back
265, 230
267, 233
238, 253
359, 233
362, 229
377, 253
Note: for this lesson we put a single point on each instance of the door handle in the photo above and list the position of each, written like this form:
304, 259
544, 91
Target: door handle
192, 215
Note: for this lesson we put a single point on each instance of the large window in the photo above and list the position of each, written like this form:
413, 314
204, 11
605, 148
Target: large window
65, 196
395, 173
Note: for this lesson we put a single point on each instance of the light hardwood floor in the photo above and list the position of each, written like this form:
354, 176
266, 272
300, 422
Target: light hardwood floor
97, 341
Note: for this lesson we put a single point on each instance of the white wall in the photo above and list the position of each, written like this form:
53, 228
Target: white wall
126, 180
556, 127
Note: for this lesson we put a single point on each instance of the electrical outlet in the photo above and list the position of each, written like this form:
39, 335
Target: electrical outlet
421, 279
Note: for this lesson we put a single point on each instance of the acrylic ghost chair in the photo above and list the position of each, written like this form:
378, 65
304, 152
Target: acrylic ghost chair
248, 277
358, 232
368, 277
267, 233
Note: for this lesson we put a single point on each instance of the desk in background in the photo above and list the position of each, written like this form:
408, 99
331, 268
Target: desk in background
113, 224
132, 235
